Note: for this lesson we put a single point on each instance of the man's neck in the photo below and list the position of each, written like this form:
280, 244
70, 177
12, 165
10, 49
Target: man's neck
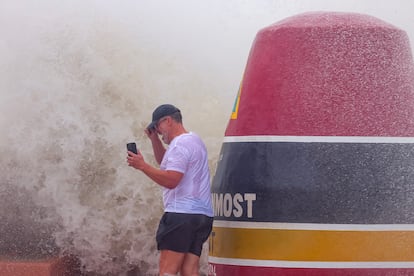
178, 131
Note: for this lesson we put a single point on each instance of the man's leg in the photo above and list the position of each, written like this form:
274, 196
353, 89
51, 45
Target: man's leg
190, 265
170, 262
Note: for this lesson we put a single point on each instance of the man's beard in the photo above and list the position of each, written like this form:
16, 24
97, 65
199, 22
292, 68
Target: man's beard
164, 137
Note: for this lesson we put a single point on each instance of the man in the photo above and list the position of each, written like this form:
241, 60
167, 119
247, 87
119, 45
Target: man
184, 174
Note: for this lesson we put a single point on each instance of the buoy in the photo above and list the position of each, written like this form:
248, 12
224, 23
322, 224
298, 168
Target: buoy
316, 170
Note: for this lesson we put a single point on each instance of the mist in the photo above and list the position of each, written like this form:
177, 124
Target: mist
80, 79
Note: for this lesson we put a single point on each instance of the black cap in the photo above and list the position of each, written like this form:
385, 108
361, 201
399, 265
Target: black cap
162, 111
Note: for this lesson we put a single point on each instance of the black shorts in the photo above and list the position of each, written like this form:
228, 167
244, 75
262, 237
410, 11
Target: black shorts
183, 232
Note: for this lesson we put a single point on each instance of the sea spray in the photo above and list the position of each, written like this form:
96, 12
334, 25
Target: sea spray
75, 91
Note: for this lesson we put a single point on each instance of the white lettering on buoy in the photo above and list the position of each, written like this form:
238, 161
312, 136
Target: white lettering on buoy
228, 205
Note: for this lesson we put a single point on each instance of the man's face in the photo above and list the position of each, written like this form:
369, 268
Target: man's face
162, 128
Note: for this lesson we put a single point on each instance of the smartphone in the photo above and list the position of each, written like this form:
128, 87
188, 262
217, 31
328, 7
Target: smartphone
132, 147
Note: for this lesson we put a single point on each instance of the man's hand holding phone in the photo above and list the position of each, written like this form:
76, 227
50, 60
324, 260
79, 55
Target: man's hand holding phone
134, 158
132, 147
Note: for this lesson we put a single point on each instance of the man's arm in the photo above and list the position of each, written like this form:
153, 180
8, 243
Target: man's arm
158, 149
157, 146
167, 179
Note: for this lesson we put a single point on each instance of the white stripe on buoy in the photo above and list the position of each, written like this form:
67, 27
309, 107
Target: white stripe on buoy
295, 264
320, 139
313, 226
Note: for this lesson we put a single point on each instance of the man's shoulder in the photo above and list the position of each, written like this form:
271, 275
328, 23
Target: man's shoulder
190, 141
189, 137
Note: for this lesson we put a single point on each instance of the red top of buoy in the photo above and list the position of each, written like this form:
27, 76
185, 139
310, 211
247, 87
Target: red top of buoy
327, 74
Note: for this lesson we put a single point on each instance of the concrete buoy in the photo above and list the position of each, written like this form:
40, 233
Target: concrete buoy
316, 171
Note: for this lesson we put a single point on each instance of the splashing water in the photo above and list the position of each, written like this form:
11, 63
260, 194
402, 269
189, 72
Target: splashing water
74, 91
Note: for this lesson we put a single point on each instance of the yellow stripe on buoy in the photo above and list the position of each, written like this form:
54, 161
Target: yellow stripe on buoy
236, 104
312, 245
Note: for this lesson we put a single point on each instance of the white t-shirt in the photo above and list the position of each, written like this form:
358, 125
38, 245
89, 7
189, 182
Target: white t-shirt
188, 154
